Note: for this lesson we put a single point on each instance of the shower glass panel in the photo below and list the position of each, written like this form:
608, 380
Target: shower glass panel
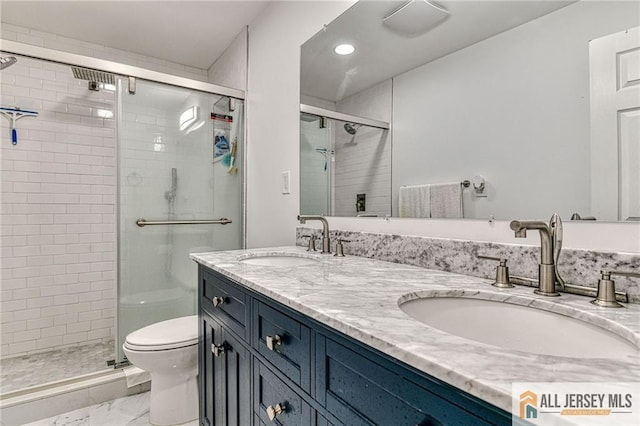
316, 165
176, 163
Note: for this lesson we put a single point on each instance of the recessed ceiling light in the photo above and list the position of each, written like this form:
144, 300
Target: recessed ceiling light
344, 49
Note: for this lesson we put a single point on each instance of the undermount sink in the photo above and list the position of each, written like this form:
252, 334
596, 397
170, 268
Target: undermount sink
518, 327
278, 260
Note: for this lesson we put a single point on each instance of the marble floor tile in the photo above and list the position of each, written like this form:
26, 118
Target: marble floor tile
129, 411
36, 369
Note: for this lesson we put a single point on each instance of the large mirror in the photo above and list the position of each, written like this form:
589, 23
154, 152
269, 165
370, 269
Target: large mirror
504, 109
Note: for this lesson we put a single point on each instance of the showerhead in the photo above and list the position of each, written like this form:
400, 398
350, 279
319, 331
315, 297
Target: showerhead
7, 61
351, 128
93, 75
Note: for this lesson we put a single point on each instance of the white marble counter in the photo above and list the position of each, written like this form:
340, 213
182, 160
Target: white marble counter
359, 297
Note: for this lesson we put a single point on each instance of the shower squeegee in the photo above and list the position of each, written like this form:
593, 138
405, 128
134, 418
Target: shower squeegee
13, 115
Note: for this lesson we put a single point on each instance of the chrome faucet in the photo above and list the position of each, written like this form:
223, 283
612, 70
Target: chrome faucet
326, 243
546, 268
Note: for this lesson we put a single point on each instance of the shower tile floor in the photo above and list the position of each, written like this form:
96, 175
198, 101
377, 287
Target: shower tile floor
37, 369
130, 411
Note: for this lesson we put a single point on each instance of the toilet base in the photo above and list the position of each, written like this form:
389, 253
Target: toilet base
174, 400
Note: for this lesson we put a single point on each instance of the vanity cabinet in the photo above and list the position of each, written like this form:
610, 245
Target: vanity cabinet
262, 363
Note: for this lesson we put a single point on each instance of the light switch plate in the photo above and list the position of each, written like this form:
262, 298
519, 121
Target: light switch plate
286, 182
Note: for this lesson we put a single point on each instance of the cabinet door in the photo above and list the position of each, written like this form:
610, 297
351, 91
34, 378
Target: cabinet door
237, 382
209, 373
358, 391
225, 377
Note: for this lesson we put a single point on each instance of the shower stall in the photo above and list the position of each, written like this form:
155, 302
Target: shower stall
344, 164
120, 176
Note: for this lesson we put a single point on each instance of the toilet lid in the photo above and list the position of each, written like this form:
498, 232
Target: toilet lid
170, 334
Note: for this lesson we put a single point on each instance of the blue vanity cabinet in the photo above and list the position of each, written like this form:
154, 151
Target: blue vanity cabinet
281, 367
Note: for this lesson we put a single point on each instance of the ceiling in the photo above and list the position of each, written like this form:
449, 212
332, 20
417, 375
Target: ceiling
192, 33
381, 53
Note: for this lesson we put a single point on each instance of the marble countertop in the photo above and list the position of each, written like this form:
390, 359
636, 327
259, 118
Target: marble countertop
359, 297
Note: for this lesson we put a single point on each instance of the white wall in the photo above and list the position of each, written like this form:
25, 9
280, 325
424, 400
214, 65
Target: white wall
273, 128
513, 108
230, 69
65, 44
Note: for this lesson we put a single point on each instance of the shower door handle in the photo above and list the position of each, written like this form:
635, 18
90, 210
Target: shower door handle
144, 222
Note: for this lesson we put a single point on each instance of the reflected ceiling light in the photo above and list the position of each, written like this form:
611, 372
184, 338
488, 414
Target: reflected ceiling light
344, 49
104, 113
188, 117
416, 17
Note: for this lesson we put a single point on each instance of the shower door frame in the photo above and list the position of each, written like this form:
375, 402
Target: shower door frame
124, 70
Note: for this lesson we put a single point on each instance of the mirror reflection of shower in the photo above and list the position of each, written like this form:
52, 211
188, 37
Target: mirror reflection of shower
351, 128
328, 154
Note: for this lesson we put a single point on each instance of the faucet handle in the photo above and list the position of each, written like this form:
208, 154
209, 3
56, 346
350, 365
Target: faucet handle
622, 273
606, 296
502, 272
312, 242
340, 247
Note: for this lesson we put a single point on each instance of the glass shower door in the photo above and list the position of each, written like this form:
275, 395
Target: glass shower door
316, 165
178, 160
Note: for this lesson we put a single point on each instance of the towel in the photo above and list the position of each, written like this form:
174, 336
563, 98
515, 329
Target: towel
413, 201
446, 200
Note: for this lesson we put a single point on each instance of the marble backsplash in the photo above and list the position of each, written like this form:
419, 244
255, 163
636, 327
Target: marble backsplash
580, 267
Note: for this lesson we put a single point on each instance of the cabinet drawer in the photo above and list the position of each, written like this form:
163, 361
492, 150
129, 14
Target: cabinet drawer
284, 342
226, 302
359, 391
271, 391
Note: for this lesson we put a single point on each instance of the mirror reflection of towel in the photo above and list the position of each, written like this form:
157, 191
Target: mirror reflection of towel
413, 201
446, 200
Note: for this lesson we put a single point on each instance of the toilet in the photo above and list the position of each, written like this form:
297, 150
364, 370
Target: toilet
168, 350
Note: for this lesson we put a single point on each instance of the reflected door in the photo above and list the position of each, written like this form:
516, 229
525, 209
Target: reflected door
615, 125
177, 162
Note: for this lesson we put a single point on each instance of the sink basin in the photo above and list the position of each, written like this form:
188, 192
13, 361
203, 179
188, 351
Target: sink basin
279, 260
518, 327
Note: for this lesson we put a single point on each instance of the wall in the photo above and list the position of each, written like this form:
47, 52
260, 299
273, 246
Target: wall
273, 115
363, 160
513, 108
64, 44
58, 211
230, 69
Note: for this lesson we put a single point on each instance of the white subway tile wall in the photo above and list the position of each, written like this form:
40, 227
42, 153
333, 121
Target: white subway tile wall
58, 211
363, 160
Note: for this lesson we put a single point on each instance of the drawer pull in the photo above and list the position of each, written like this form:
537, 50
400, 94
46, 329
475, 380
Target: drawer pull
273, 411
273, 341
217, 300
218, 349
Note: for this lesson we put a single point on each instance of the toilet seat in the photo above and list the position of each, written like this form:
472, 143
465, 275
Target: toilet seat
171, 334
